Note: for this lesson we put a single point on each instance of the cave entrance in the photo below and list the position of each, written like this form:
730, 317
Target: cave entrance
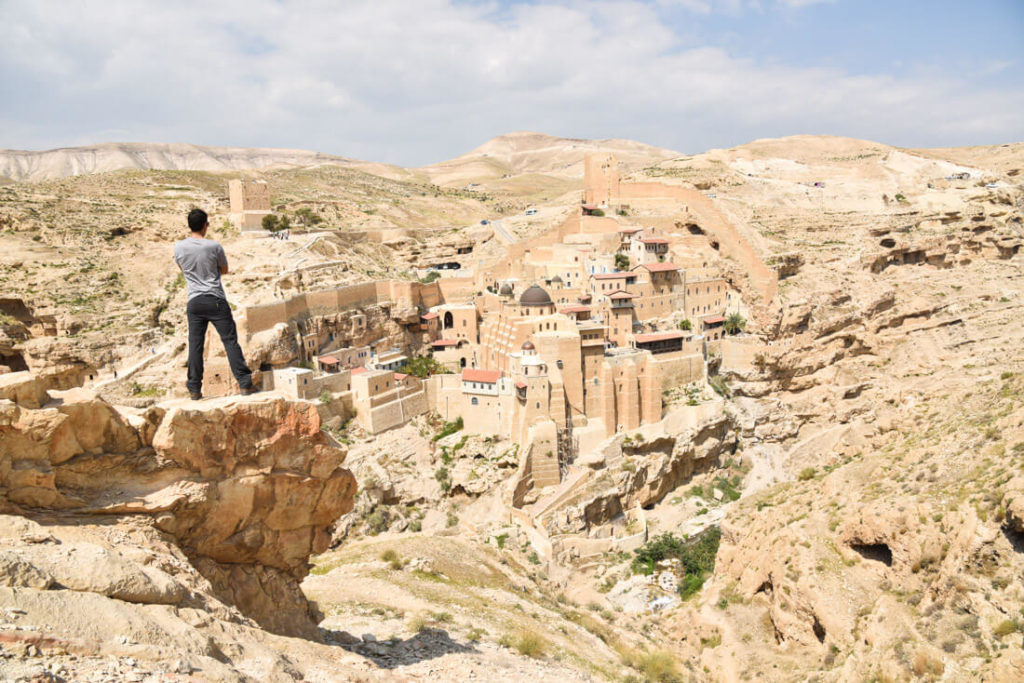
14, 360
879, 552
1016, 538
695, 229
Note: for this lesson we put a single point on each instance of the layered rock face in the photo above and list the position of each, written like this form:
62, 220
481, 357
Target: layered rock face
245, 489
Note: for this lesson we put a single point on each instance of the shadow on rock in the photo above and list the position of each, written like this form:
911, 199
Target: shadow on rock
389, 654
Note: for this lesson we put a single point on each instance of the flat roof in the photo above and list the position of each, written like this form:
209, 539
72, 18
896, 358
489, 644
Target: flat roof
445, 342
485, 376
657, 336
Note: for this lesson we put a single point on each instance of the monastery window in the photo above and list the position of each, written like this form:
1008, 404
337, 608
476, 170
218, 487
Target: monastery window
559, 363
474, 401
375, 387
538, 405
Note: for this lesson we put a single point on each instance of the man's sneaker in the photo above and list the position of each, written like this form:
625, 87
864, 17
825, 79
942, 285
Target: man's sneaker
250, 390
195, 396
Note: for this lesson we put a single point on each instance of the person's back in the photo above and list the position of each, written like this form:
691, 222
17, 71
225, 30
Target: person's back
202, 262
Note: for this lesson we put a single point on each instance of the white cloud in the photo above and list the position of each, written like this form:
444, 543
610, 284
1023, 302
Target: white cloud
414, 82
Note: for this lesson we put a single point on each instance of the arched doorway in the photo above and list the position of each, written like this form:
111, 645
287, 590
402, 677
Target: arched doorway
449, 320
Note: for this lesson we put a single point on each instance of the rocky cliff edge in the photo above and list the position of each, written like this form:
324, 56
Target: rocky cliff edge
233, 494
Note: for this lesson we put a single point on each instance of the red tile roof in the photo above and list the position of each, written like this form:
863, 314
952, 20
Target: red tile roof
429, 316
612, 276
329, 360
445, 342
400, 375
659, 267
621, 295
657, 336
574, 309
520, 384
630, 231
654, 240
358, 371
714, 320
486, 376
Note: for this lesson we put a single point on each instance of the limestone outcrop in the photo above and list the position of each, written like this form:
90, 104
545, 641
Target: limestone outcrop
246, 488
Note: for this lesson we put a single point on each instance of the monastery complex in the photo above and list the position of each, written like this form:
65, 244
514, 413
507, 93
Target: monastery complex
571, 338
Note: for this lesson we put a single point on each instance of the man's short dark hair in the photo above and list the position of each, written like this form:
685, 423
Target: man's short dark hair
197, 220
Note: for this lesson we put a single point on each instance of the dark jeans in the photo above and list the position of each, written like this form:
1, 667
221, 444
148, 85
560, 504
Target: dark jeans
202, 310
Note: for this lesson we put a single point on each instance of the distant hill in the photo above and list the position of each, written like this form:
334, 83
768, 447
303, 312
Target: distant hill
22, 165
525, 152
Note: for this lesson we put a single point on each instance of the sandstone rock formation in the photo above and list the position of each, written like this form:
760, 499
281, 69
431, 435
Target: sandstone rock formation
247, 489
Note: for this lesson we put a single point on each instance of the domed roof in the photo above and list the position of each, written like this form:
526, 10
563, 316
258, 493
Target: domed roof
528, 345
506, 290
556, 279
535, 296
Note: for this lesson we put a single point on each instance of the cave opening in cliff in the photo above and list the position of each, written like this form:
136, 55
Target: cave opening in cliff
1016, 538
819, 630
888, 243
879, 552
14, 360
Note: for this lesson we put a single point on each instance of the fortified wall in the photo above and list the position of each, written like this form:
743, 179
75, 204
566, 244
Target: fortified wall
403, 294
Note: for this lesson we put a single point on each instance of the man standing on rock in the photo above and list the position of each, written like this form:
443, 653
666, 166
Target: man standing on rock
203, 261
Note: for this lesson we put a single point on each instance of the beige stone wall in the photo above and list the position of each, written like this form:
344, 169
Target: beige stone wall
677, 369
265, 316
738, 353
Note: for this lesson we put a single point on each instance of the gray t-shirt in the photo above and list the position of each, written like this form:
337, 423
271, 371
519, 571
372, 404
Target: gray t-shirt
201, 260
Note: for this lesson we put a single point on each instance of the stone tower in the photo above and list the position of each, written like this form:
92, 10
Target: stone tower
250, 202
600, 179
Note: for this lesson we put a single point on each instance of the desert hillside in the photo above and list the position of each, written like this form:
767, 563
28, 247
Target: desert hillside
752, 413
19, 165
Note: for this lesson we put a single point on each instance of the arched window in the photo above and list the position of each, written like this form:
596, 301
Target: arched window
475, 401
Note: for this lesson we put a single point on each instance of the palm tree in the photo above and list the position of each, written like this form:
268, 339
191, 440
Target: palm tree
735, 323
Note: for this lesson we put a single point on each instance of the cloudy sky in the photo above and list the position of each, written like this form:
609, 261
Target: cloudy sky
416, 81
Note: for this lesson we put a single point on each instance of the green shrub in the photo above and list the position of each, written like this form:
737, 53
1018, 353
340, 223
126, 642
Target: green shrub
449, 428
685, 325
1007, 627
444, 478
325, 397
697, 557
529, 643
621, 261
659, 667
806, 474
423, 367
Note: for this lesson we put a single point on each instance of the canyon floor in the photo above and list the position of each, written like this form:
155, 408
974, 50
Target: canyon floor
866, 474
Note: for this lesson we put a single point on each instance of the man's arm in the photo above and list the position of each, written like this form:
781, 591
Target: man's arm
222, 260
